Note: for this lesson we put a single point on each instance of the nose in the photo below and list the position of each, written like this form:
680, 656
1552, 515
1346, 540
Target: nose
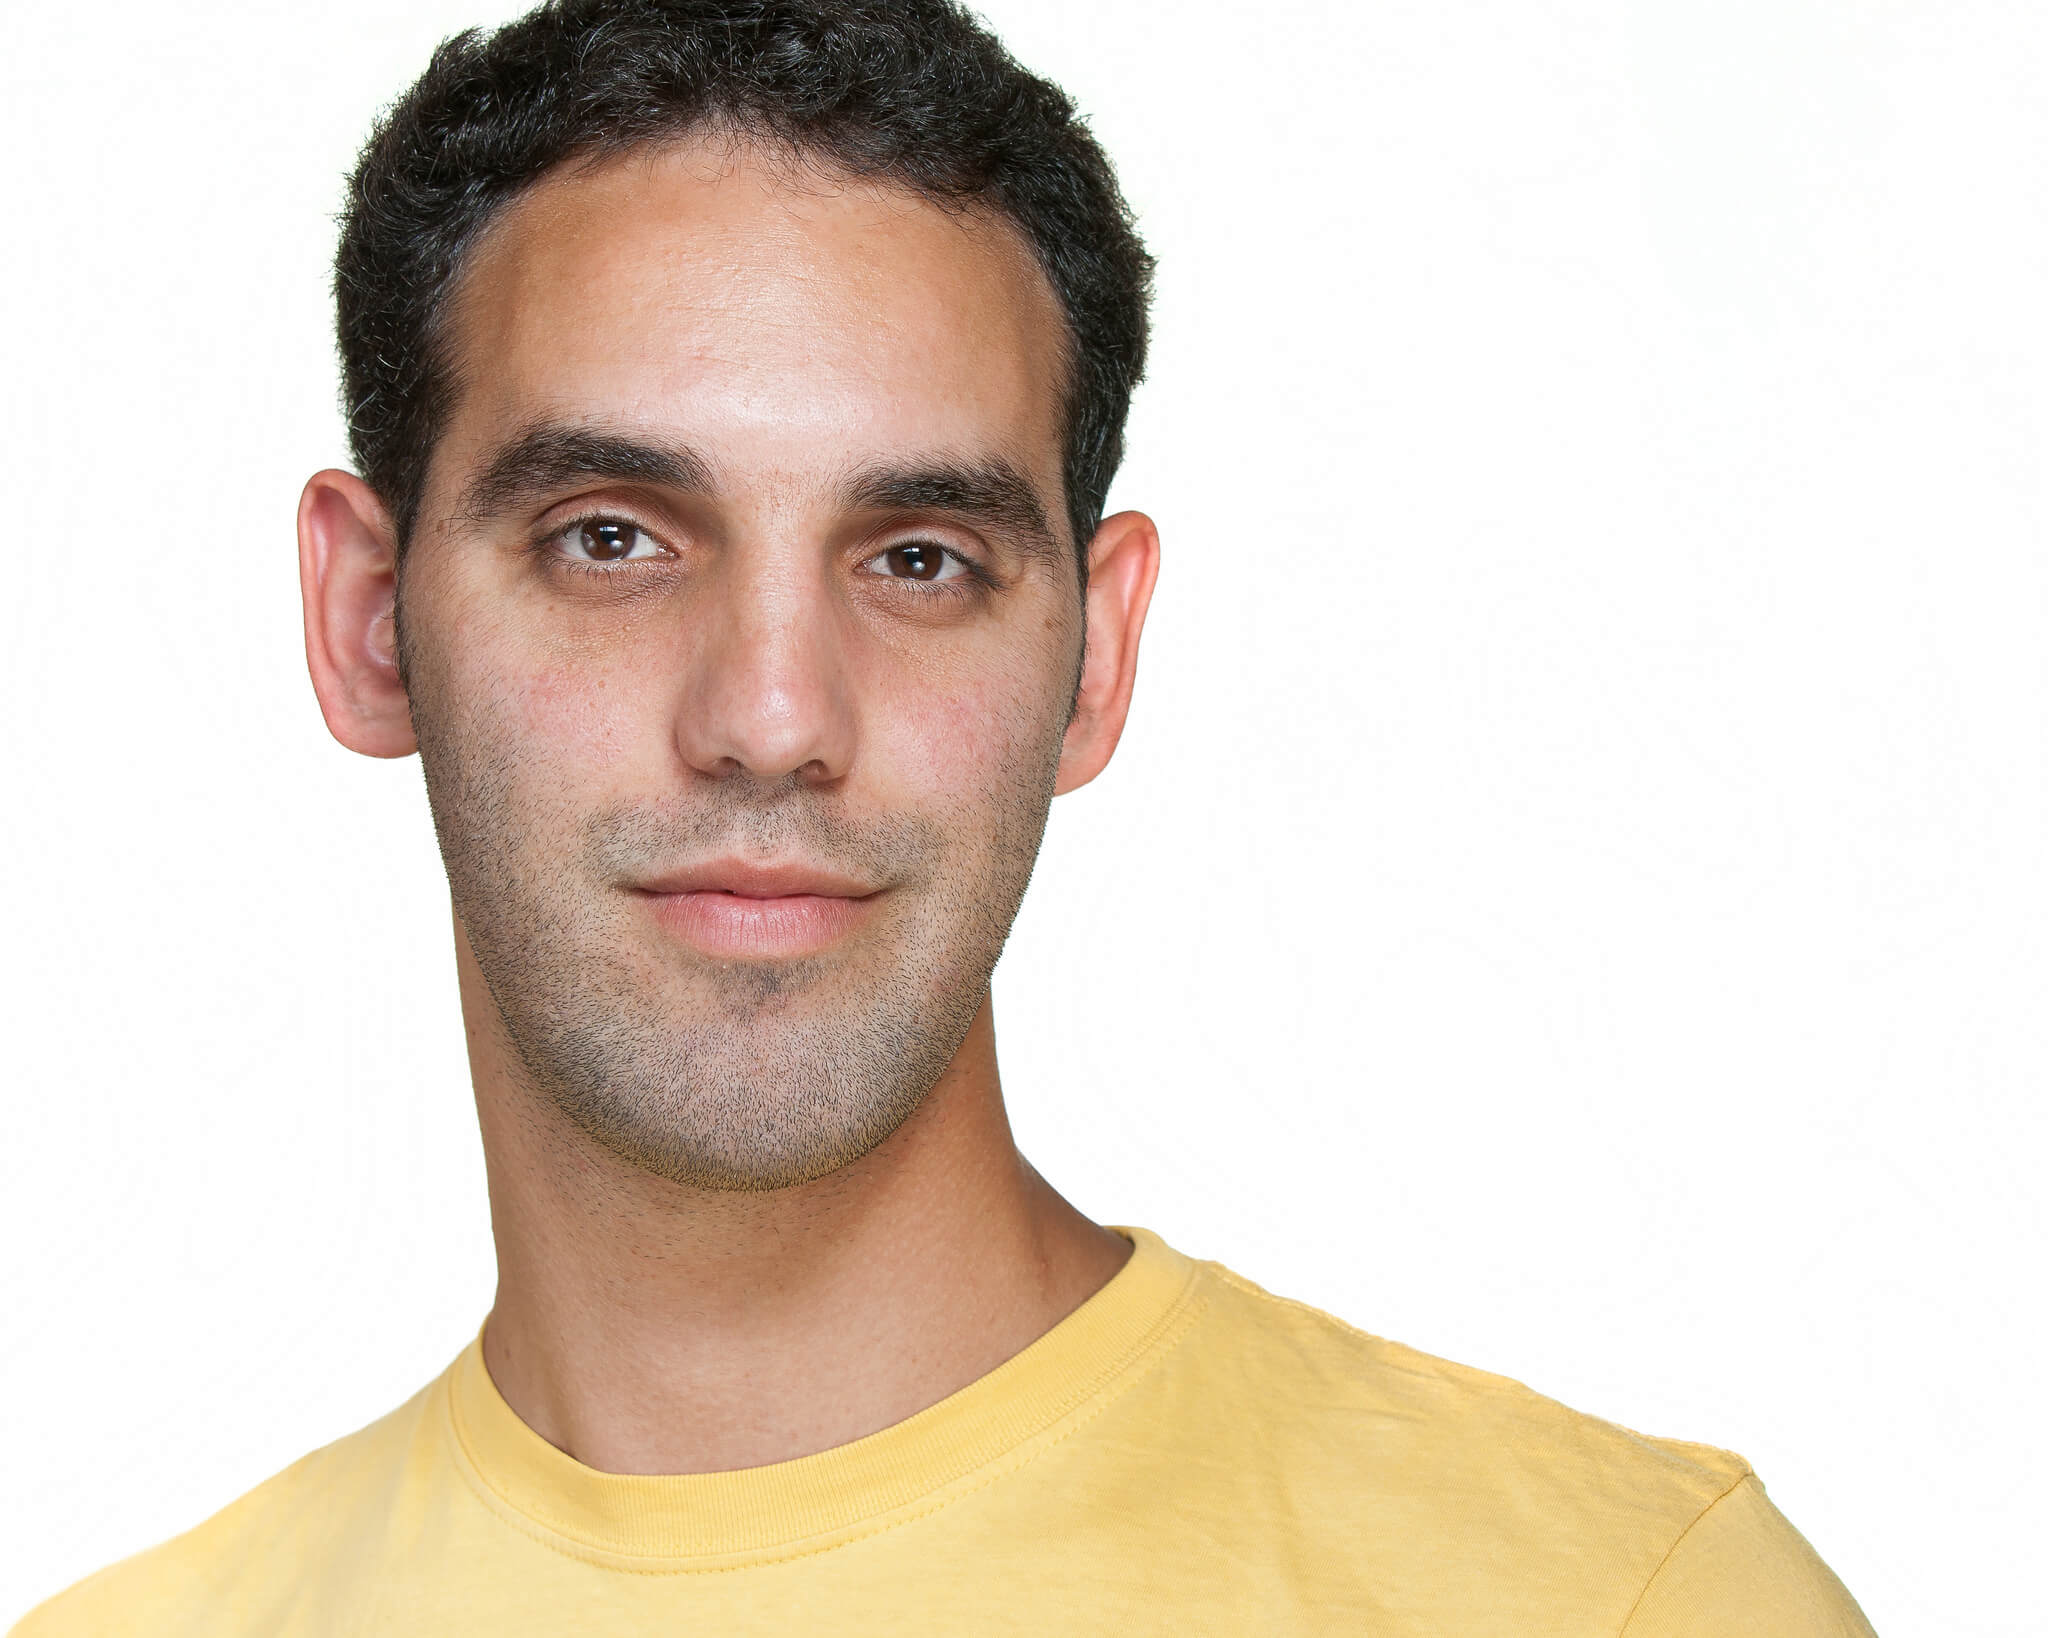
768, 693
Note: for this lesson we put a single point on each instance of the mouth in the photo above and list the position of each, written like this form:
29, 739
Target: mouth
733, 910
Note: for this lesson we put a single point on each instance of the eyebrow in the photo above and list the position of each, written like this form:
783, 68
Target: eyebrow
549, 456
990, 491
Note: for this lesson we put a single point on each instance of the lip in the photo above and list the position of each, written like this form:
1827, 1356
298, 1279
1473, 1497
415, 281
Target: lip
758, 881
735, 910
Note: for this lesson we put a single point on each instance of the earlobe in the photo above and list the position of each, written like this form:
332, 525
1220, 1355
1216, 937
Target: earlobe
348, 582
1123, 566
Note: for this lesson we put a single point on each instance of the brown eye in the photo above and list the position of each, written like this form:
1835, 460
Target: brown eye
920, 560
605, 540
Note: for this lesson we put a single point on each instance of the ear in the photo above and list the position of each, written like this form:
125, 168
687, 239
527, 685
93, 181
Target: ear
348, 580
1123, 563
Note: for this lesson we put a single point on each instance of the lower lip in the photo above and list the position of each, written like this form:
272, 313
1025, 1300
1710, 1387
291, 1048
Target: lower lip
733, 926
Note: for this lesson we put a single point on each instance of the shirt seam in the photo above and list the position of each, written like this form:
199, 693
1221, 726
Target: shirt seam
1173, 1327
1671, 1552
1494, 1383
1252, 1288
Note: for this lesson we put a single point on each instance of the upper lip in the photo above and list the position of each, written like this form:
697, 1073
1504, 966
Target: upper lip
757, 881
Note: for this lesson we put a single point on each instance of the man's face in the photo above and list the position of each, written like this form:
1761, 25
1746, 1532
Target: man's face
740, 630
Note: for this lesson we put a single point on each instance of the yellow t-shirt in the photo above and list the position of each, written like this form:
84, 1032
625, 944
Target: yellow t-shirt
1183, 1454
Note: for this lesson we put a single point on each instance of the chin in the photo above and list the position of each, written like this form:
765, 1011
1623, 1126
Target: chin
733, 1108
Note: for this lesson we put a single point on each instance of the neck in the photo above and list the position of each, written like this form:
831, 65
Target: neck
645, 1327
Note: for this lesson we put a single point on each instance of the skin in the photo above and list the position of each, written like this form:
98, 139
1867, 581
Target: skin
748, 1205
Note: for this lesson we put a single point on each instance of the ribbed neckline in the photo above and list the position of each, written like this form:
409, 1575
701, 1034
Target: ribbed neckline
742, 1515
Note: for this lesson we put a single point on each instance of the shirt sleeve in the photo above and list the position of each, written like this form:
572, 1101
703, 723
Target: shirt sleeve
1742, 1571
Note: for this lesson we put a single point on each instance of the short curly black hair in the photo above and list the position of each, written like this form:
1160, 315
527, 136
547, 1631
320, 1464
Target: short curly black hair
912, 92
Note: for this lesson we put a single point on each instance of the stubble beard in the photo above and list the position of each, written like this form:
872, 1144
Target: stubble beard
741, 1075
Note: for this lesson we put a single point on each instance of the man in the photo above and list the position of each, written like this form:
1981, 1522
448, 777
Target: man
736, 385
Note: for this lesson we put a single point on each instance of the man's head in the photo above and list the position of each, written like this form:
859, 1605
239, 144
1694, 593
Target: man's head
736, 387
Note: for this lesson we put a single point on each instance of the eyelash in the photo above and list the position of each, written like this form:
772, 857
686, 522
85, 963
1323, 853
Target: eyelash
973, 581
544, 546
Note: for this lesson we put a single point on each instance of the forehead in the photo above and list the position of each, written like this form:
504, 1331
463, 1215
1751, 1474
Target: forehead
784, 321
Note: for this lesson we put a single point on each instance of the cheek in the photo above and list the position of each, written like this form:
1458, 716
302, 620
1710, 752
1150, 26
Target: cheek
578, 716
977, 730
966, 743
586, 701
545, 737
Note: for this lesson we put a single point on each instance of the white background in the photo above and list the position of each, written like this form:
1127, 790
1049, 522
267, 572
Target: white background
1571, 896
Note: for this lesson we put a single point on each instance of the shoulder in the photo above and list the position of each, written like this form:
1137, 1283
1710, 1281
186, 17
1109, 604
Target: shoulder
1487, 1484
236, 1571
1482, 1428
1741, 1567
